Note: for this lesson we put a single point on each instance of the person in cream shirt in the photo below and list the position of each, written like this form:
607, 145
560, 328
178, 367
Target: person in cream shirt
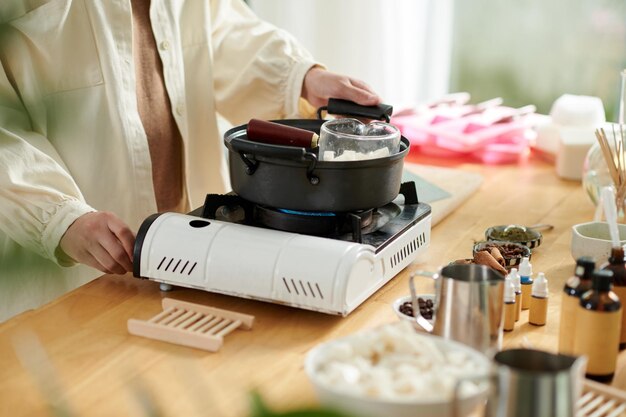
109, 112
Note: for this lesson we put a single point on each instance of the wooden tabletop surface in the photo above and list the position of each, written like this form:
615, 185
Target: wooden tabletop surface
75, 355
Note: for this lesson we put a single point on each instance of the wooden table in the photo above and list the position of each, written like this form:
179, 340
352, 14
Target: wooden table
77, 353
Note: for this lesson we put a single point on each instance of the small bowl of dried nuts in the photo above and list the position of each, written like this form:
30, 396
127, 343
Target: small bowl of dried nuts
497, 255
403, 307
507, 254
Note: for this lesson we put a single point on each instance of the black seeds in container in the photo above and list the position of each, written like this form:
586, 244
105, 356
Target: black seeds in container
425, 306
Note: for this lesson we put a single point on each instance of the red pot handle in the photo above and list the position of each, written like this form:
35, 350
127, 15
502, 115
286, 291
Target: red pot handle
278, 134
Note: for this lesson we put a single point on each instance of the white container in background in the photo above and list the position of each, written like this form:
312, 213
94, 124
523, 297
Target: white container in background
574, 143
582, 111
571, 132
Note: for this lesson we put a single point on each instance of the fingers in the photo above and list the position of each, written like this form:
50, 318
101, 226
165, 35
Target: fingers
107, 259
125, 236
362, 85
357, 91
319, 85
365, 89
104, 258
364, 98
107, 249
116, 251
100, 240
89, 260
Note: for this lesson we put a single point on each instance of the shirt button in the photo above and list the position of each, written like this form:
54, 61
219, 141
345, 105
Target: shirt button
180, 109
165, 45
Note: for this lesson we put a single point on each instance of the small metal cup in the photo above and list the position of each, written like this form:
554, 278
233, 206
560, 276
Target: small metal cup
530, 383
468, 305
534, 383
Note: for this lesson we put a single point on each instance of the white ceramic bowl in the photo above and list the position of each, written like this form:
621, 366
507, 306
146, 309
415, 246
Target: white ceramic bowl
396, 309
593, 239
353, 403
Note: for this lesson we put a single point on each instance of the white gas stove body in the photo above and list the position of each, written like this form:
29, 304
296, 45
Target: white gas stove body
309, 272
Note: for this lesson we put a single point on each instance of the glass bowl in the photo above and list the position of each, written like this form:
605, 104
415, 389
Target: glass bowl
595, 174
353, 140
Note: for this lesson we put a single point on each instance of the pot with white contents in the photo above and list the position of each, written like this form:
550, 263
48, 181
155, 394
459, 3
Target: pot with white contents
294, 177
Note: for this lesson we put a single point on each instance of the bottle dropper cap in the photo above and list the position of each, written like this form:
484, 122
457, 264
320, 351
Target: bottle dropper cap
509, 291
515, 279
508, 279
585, 267
540, 286
603, 280
617, 255
525, 269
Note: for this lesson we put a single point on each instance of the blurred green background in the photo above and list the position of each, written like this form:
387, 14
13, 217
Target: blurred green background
533, 51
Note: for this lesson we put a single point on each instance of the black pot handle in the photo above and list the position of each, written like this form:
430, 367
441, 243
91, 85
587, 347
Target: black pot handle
350, 108
246, 147
240, 145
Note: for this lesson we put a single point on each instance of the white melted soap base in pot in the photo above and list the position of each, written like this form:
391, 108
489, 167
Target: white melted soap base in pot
352, 140
354, 156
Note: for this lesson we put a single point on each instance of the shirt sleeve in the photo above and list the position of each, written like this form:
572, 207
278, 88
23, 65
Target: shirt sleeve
258, 68
39, 200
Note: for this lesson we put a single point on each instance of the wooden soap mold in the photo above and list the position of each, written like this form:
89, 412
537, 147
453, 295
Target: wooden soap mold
190, 324
599, 400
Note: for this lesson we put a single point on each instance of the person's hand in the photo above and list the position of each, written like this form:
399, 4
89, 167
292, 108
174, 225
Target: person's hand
319, 85
100, 240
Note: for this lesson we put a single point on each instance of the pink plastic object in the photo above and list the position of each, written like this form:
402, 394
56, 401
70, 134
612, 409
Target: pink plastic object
483, 137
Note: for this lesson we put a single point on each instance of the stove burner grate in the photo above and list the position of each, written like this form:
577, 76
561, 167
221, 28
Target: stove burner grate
313, 223
373, 226
308, 213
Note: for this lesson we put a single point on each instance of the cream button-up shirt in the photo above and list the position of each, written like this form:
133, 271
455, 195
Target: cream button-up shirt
71, 140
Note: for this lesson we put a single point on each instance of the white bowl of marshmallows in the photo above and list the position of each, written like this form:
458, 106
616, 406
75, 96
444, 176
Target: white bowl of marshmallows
393, 371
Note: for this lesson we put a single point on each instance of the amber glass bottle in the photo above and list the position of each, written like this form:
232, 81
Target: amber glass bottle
574, 288
598, 323
617, 265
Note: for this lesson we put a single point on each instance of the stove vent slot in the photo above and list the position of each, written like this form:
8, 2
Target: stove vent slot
408, 249
166, 264
304, 288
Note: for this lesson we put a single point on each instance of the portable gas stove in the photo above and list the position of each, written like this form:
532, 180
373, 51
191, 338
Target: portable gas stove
327, 262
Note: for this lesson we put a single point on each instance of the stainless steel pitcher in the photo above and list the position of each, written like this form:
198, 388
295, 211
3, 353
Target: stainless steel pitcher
532, 383
468, 305
535, 383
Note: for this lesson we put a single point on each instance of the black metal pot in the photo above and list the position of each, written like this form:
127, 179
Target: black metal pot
292, 178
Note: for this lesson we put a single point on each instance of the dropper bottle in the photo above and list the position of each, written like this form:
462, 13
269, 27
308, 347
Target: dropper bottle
617, 266
598, 322
526, 274
616, 262
539, 301
517, 284
509, 305
574, 288
517, 287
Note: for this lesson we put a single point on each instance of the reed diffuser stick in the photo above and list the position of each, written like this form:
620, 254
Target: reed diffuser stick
622, 101
613, 149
